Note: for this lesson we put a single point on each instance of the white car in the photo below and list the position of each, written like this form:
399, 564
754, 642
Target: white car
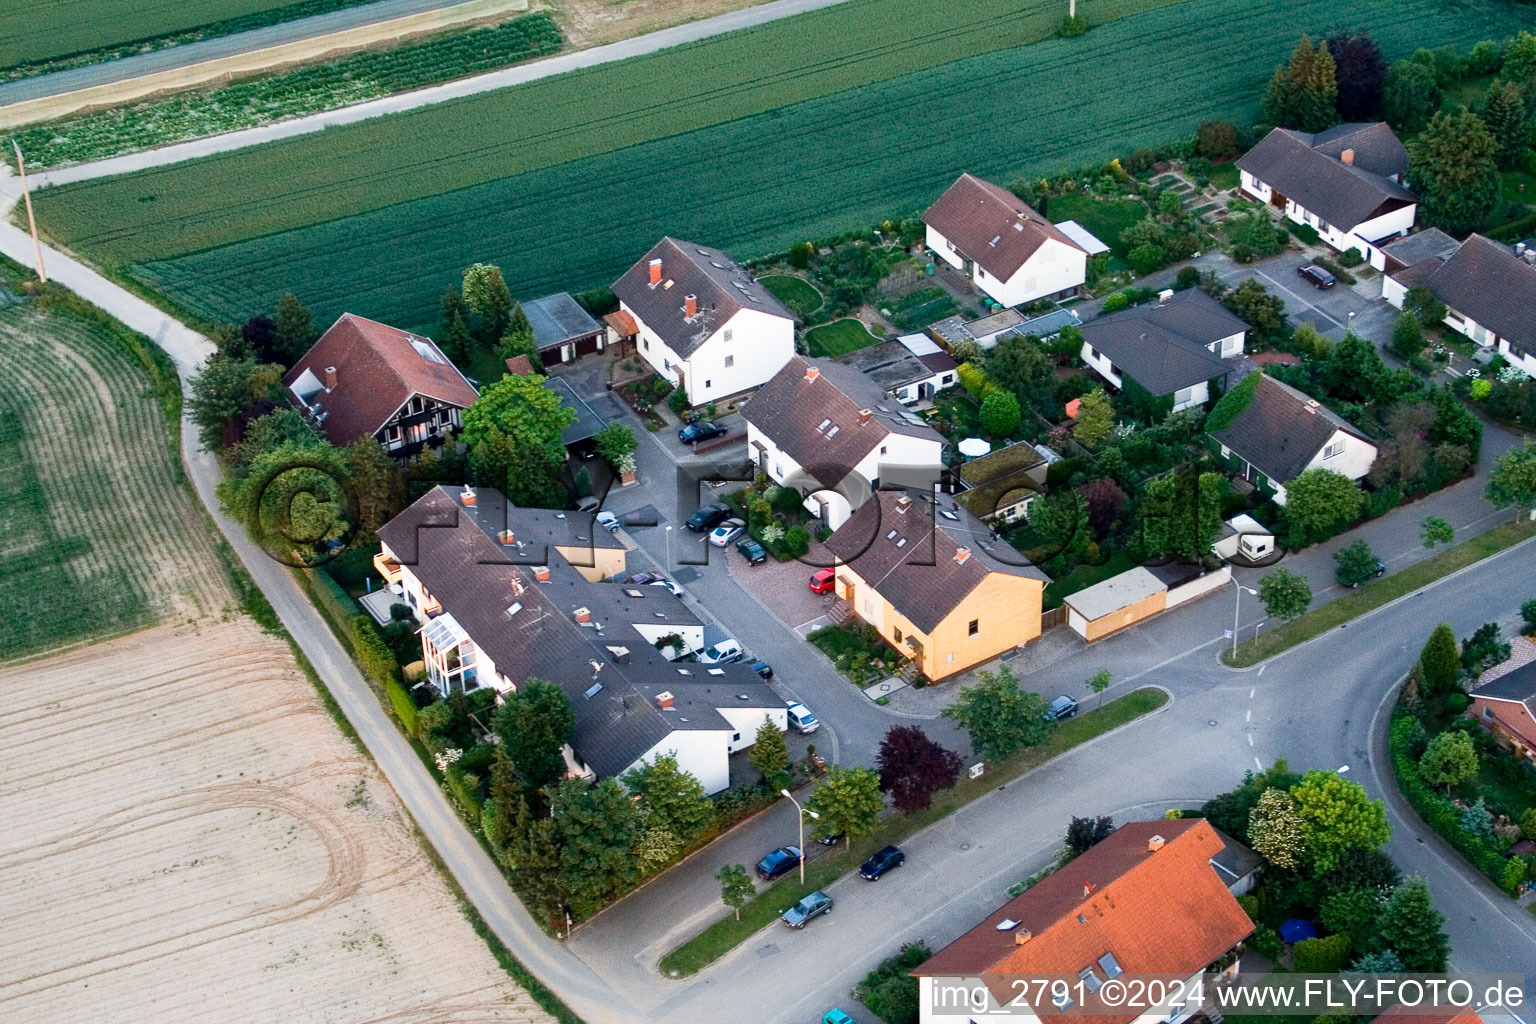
802, 719
608, 521
726, 532
726, 650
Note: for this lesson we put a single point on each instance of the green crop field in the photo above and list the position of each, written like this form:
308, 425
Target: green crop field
99, 533
564, 182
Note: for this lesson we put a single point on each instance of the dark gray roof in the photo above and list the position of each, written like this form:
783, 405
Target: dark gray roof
1282, 430
1309, 170
1518, 684
1048, 325
586, 422
892, 365
722, 285
1235, 860
1488, 282
1162, 346
557, 320
1431, 243
453, 550
792, 408
906, 551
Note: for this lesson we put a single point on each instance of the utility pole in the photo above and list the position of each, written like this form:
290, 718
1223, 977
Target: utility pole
26, 195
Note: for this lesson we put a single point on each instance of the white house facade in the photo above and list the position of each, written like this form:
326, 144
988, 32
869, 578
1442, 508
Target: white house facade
1172, 348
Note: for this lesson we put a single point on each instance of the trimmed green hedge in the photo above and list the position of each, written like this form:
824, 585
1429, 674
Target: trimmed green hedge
1515, 230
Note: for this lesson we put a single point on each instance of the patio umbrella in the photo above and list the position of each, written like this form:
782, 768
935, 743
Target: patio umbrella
1296, 929
974, 447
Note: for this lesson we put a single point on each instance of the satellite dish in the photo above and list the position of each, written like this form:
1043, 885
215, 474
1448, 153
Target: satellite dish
974, 447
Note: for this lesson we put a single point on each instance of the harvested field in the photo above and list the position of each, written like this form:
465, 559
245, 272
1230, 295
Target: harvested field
201, 844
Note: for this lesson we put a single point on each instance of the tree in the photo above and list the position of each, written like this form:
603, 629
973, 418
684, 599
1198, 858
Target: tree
1384, 962
672, 798
1214, 140
514, 435
1022, 367
376, 486
770, 754
1253, 304
848, 802
1411, 927
488, 301
1083, 834
1181, 514
1275, 829
534, 724
1483, 649
1355, 913
913, 767
1099, 682
736, 888
617, 444
1451, 164
1528, 614
1410, 96
1477, 820
1000, 414
452, 331
1434, 530
597, 829
1508, 119
1095, 418
1317, 100
1407, 336
1284, 593
1279, 103
1326, 954
1449, 760
1356, 563
293, 328
1319, 504
1001, 718
518, 338
224, 389
1439, 661
1337, 816
535, 858
1424, 304
293, 498
1360, 71
1519, 64
1513, 479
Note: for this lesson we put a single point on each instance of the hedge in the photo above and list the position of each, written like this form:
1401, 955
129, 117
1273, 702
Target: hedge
1514, 231
1439, 813
335, 603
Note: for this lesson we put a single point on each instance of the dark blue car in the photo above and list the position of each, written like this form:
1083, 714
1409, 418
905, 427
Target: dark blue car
780, 862
882, 861
704, 430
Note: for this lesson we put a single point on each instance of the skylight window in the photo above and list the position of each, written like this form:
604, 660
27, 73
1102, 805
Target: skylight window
1112, 968
902, 543
426, 351
833, 433
890, 535
592, 690
824, 425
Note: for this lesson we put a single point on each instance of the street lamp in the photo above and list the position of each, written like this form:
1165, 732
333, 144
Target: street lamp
1236, 607
800, 820
669, 550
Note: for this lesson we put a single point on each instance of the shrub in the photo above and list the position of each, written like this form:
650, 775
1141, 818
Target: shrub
800, 254
678, 401
1116, 302
1188, 277
1073, 25
1327, 955
1306, 232
1266, 942
1407, 336
1351, 257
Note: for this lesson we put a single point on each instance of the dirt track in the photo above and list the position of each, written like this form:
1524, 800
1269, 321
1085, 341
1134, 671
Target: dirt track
189, 838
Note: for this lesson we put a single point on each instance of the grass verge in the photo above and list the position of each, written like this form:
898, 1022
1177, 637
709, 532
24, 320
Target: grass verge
728, 932
1369, 598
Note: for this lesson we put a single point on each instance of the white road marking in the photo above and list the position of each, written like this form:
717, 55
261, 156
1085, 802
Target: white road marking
1250, 739
1253, 689
1262, 668
1257, 763
1248, 715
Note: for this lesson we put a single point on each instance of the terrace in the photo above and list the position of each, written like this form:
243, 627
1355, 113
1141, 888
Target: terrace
1001, 485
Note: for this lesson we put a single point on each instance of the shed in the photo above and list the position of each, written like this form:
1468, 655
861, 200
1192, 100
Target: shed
1085, 239
1237, 864
1116, 603
562, 329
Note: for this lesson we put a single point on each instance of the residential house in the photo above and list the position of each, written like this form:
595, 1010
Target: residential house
1000, 487
1009, 251
1489, 290
1505, 705
702, 320
1283, 433
367, 379
1171, 349
911, 369
1346, 182
507, 594
935, 583
832, 432
987, 331
1237, 864
1146, 902
562, 330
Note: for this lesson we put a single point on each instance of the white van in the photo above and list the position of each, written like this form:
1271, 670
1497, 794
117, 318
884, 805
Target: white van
801, 719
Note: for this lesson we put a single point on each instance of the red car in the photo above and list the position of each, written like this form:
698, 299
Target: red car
821, 581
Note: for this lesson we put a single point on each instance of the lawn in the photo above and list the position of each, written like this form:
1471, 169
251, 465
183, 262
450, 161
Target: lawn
795, 292
1085, 576
727, 933
1225, 176
1105, 219
1372, 596
798, 116
838, 338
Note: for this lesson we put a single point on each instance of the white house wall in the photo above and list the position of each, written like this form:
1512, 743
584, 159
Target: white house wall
1358, 236
1054, 267
1101, 364
759, 346
1354, 461
1199, 394
1232, 345
1523, 360
700, 752
746, 721
1394, 291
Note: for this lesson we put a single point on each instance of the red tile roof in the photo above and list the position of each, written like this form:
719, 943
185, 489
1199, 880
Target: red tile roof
378, 369
1449, 1015
519, 366
991, 225
622, 322
1159, 912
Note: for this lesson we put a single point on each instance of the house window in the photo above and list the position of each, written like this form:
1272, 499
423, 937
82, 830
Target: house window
666, 364
1488, 714
896, 634
973, 628
735, 737
884, 448
730, 361
1183, 396
727, 338
946, 380
1333, 449
1089, 349
708, 383
645, 346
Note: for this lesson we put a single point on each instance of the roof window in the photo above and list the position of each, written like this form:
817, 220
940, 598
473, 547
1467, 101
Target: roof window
426, 351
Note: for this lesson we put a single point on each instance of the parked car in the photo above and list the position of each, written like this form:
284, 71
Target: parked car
881, 861
703, 430
835, 1016
1380, 570
832, 838
779, 863
822, 581
608, 521
814, 905
588, 504
801, 719
1316, 275
637, 579
727, 531
762, 668
707, 516
1061, 708
752, 551
722, 653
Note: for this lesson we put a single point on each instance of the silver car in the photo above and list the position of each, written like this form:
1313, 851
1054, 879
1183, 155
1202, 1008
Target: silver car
814, 905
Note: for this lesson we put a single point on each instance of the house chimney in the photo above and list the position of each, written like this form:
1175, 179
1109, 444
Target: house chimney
620, 655
1155, 843
1163, 296
902, 504
1519, 248
541, 573
811, 373
865, 415
1087, 889
1022, 936
1348, 157
690, 306
330, 378
961, 554
655, 272
467, 496
506, 537
664, 700
583, 615
1312, 406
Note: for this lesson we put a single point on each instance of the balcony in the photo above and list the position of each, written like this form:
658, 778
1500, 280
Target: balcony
388, 567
